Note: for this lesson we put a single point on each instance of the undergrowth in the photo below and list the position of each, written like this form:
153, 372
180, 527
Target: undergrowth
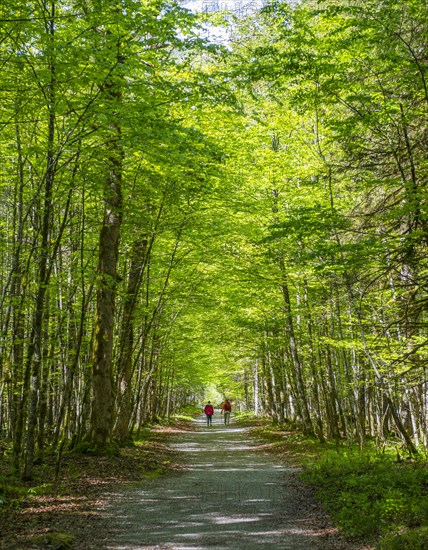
373, 495
248, 418
147, 456
190, 411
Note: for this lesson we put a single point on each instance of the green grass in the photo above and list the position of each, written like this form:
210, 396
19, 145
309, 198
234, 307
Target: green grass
53, 539
248, 418
190, 411
378, 497
179, 416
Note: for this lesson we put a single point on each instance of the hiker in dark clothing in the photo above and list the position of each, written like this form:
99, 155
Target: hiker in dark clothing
226, 409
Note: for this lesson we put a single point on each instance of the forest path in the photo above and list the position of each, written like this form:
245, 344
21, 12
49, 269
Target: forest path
229, 495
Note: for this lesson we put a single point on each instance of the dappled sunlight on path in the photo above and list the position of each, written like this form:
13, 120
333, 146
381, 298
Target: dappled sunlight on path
230, 495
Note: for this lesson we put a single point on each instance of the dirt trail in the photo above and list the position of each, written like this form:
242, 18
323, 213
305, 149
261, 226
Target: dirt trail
229, 495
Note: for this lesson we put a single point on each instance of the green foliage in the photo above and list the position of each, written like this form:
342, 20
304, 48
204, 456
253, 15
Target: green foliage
372, 495
184, 417
11, 495
249, 418
415, 538
87, 448
187, 412
55, 539
153, 474
44, 489
275, 433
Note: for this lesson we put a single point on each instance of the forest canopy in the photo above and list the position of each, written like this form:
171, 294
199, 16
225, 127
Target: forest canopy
180, 217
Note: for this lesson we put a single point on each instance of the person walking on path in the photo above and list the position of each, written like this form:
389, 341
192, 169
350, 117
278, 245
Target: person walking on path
226, 409
209, 411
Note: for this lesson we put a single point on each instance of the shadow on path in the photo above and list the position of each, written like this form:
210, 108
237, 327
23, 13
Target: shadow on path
229, 496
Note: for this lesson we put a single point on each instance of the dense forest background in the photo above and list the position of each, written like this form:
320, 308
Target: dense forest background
181, 218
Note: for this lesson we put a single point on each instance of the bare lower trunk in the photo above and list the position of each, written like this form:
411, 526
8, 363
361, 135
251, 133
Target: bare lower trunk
102, 374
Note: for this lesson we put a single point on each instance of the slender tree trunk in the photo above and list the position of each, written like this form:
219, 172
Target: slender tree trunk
269, 402
18, 316
315, 377
34, 355
297, 367
256, 386
138, 262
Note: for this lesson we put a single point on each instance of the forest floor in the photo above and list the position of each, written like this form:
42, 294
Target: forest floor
222, 490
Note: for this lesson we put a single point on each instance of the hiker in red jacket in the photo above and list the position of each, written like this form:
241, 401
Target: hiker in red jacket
226, 409
209, 411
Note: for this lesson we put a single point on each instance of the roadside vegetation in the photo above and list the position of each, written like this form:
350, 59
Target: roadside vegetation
373, 495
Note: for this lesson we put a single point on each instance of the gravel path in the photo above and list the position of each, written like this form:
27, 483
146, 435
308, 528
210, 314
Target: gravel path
229, 495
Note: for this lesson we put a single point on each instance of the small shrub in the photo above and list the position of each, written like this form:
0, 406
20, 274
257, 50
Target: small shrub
11, 495
87, 448
57, 541
411, 539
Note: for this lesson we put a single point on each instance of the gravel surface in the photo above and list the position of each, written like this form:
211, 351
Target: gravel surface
228, 495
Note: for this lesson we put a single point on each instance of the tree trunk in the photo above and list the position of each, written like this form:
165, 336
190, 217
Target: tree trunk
138, 262
102, 376
34, 355
297, 367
